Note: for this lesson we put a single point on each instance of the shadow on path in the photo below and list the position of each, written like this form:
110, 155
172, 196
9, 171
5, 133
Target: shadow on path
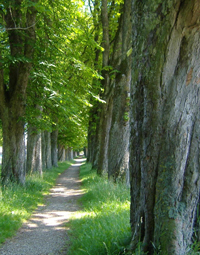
45, 232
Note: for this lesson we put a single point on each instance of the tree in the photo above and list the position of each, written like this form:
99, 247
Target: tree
34, 52
108, 132
164, 144
118, 146
19, 18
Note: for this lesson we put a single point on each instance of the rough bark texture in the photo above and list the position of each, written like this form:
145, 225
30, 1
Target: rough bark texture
13, 95
13, 161
118, 152
44, 163
93, 127
34, 151
165, 124
61, 153
106, 109
46, 150
93, 135
54, 146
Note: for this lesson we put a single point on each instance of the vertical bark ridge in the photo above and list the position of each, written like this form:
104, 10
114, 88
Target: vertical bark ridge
165, 107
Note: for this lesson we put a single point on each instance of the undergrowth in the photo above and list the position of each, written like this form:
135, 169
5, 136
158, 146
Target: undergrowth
17, 202
103, 225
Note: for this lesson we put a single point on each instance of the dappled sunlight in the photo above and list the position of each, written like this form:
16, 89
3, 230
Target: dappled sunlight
60, 204
79, 161
53, 219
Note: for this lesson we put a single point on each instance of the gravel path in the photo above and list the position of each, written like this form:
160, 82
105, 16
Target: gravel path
45, 233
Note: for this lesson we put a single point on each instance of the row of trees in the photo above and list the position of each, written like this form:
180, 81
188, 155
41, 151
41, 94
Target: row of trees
46, 68
151, 50
108, 135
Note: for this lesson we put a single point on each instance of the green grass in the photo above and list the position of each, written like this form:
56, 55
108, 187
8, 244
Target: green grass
103, 225
17, 203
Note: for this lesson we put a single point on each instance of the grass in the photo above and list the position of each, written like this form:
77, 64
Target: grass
17, 203
103, 225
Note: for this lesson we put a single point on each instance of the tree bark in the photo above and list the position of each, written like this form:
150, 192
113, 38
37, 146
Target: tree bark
44, 163
70, 154
34, 148
106, 109
93, 135
34, 151
61, 153
38, 154
13, 94
54, 148
13, 161
46, 150
165, 123
118, 147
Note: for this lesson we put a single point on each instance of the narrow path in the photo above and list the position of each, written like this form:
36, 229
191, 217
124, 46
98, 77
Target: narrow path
45, 233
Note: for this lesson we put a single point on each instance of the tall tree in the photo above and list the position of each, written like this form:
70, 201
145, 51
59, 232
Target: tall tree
19, 18
112, 119
106, 109
165, 124
118, 146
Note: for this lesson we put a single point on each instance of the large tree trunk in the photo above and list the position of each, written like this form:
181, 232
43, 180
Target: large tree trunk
165, 124
118, 152
13, 161
13, 94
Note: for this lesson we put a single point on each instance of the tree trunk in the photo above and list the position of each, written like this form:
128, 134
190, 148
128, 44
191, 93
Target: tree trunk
44, 162
165, 124
106, 109
13, 93
38, 154
85, 152
118, 152
61, 153
54, 147
46, 150
67, 154
70, 154
94, 134
13, 161
34, 148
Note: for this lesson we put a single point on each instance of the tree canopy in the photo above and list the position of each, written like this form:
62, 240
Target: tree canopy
60, 82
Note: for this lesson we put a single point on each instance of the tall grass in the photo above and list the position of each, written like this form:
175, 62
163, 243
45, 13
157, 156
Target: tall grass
17, 202
103, 225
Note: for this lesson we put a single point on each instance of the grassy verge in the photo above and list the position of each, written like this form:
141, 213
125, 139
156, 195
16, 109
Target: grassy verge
17, 203
102, 227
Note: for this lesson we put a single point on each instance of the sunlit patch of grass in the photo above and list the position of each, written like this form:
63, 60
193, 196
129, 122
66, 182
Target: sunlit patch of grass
17, 202
103, 226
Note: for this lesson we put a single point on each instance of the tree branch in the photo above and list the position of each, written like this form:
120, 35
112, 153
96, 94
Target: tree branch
21, 28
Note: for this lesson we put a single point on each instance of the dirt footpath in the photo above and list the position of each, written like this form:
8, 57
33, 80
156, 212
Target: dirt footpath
45, 233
